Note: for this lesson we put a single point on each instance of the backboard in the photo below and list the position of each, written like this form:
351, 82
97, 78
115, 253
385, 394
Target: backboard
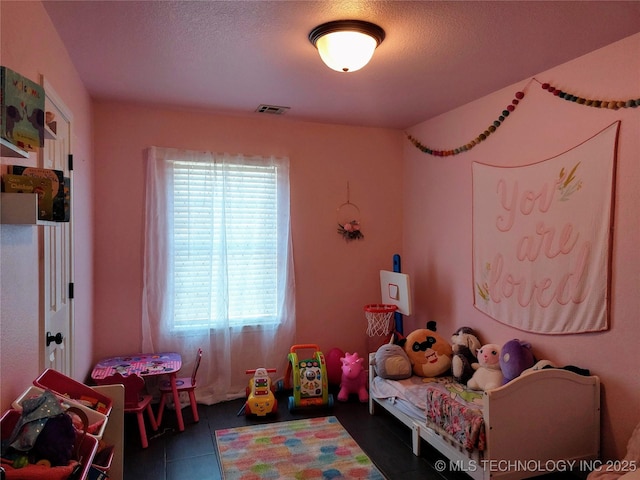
395, 289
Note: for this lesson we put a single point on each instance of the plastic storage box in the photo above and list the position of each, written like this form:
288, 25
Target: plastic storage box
88, 446
95, 418
103, 459
67, 387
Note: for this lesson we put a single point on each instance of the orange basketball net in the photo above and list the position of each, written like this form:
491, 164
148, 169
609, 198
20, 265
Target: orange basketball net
379, 319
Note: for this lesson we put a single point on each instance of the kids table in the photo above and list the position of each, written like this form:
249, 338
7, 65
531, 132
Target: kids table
144, 364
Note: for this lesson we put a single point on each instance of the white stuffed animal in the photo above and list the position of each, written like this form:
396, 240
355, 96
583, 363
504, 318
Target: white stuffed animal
488, 374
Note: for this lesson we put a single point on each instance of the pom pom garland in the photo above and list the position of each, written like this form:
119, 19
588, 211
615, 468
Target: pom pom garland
480, 138
607, 104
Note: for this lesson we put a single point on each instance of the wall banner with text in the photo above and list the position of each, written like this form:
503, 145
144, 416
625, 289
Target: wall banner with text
542, 239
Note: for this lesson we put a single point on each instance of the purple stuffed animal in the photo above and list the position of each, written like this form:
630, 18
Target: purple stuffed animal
354, 378
515, 357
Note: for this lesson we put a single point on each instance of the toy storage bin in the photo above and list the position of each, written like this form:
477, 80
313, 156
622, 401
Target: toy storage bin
103, 458
87, 450
97, 474
67, 387
93, 416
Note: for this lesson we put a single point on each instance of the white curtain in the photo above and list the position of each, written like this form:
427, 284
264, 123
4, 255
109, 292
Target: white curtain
230, 345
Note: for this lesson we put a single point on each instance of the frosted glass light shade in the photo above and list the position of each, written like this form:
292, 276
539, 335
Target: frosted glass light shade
346, 45
346, 51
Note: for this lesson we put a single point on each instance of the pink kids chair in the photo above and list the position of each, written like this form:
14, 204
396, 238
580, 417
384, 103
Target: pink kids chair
134, 401
184, 384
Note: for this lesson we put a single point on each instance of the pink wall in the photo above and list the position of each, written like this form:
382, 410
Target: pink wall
437, 217
334, 279
431, 220
32, 47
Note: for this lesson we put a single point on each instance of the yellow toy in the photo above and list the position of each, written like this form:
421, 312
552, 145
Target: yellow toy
260, 398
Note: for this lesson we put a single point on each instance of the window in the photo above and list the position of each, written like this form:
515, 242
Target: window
225, 225
217, 241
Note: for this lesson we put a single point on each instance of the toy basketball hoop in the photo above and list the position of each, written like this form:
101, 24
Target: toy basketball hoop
379, 317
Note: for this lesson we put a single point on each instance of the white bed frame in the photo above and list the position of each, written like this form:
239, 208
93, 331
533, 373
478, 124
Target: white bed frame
537, 423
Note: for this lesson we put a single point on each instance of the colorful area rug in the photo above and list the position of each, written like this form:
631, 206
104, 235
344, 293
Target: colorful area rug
314, 448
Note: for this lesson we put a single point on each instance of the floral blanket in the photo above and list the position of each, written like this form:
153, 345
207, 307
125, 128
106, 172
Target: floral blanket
457, 410
449, 406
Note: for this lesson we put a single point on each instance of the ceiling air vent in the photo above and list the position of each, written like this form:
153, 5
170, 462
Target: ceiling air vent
272, 109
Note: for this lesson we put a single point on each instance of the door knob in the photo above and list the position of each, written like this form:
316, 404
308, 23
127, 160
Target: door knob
57, 338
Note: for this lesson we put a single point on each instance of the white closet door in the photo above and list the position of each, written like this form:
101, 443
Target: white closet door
57, 251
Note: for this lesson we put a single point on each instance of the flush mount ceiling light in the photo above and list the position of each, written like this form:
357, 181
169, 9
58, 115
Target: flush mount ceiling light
346, 45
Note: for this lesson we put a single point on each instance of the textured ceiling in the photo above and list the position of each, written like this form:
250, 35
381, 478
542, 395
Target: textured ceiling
231, 56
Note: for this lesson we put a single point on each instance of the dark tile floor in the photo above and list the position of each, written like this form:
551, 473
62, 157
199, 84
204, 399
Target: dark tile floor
191, 454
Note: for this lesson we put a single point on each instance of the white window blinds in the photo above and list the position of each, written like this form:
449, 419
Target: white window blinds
225, 244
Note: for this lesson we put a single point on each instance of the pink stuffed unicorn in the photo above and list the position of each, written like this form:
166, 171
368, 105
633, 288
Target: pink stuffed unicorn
354, 378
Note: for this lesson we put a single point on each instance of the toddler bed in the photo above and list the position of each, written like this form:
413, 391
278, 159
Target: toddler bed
541, 421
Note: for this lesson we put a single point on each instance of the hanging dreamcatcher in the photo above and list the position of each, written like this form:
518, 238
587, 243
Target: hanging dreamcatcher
348, 220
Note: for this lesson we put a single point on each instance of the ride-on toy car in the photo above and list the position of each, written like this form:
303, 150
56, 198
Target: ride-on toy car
260, 398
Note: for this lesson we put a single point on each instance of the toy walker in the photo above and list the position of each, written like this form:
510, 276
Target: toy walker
310, 382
